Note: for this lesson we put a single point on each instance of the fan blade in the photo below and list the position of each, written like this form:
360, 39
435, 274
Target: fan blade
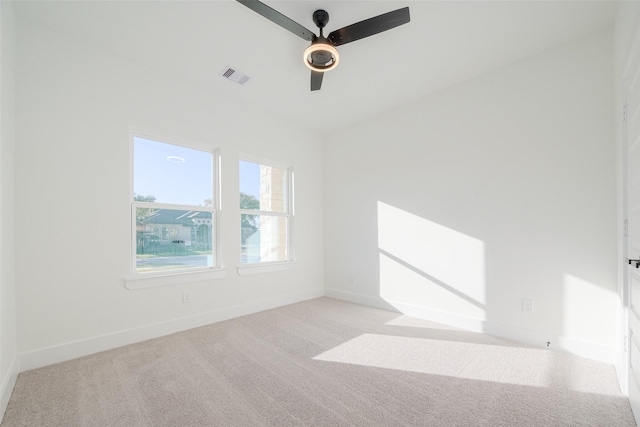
278, 18
369, 27
316, 80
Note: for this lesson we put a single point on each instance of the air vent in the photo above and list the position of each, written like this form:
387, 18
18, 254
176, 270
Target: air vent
234, 75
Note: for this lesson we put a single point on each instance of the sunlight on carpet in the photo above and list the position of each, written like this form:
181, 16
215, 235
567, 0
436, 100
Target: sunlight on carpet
535, 367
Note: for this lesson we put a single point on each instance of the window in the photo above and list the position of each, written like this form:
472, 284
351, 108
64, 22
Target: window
174, 205
266, 207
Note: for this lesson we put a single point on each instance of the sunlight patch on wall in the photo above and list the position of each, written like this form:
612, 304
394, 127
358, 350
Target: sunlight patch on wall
580, 321
426, 264
475, 361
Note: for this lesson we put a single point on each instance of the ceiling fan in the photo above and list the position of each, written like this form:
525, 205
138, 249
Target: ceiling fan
322, 55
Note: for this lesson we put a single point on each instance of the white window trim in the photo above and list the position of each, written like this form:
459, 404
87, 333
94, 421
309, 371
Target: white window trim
137, 280
263, 161
289, 263
186, 276
265, 267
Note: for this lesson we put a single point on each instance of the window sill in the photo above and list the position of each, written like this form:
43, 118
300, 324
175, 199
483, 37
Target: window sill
248, 269
157, 280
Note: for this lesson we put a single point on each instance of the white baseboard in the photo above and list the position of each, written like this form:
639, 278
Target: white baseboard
8, 383
574, 346
72, 350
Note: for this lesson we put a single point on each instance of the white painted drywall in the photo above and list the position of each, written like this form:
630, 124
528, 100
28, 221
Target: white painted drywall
502, 188
8, 352
75, 104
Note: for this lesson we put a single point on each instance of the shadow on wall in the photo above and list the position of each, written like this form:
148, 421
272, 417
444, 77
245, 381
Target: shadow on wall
424, 265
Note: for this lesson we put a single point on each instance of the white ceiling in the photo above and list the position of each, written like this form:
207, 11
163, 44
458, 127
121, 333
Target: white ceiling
445, 43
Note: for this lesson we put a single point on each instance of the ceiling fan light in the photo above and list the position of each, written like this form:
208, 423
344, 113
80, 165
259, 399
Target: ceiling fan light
332, 51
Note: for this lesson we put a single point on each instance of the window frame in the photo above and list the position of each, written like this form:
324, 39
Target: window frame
138, 280
290, 261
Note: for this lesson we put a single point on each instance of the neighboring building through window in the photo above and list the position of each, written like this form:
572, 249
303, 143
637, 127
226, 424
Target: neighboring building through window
265, 212
174, 206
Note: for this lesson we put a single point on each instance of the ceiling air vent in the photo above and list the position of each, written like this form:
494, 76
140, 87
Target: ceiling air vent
234, 76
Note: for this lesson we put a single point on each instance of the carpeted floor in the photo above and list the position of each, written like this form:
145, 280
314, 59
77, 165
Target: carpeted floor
322, 362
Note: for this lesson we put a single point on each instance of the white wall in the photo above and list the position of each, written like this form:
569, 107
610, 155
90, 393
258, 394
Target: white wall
458, 206
75, 104
8, 353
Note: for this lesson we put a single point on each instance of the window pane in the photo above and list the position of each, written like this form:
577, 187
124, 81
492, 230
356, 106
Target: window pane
171, 239
167, 173
263, 238
262, 187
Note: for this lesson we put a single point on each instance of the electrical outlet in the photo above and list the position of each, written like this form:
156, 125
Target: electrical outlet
527, 305
186, 297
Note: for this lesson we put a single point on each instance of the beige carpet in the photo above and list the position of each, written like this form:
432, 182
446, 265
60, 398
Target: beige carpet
322, 363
